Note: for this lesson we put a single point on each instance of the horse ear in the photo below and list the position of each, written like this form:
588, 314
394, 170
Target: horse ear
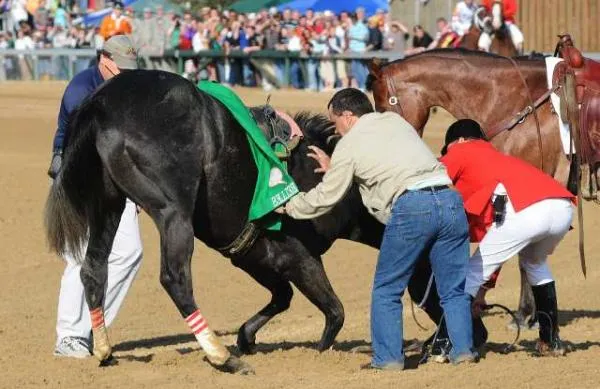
375, 67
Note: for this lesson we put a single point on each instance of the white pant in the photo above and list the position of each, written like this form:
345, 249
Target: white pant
533, 233
485, 40
73, 317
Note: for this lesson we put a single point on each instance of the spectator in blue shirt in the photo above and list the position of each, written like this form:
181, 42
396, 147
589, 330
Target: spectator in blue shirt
358, 36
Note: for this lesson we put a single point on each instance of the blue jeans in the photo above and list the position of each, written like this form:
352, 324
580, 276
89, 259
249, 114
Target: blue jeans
359, 72
312, 68
425, 219
296, 74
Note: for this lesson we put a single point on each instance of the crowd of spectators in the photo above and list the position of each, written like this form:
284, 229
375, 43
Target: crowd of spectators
49, 24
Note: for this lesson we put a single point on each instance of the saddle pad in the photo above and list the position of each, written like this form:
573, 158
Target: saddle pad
274, 185
565, 135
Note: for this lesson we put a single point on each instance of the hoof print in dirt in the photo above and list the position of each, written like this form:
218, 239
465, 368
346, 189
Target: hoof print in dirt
234, 365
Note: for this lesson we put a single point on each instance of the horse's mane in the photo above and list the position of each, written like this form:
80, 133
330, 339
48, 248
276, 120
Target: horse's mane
317, 129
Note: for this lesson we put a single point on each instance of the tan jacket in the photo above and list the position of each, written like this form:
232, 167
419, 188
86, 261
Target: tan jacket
384, 155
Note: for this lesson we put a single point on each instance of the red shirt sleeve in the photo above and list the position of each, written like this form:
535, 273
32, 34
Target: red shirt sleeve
510, 9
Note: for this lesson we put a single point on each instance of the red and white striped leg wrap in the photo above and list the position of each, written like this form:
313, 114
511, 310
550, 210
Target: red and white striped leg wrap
97, 317
102, 348
210, 343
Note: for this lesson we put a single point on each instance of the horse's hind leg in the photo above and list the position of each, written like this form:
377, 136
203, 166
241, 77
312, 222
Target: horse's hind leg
526, 304
310, 278
280, 301
94, 271
177, 245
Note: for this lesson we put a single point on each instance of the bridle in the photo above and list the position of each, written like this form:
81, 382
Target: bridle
393, 99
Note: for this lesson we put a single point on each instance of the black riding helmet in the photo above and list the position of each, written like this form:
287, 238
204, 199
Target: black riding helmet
463, 128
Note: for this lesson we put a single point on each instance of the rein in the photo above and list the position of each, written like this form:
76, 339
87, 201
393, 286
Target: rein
520, 117
510, 123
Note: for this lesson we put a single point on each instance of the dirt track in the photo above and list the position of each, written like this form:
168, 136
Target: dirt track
152, 343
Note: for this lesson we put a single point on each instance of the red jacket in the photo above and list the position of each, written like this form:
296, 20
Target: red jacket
476, 168
509, 8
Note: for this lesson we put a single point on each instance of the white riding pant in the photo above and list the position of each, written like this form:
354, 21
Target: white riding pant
73, 318
533, 233
485, 40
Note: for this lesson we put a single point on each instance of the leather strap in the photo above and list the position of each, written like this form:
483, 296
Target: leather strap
573, 113
520, 116
244, 241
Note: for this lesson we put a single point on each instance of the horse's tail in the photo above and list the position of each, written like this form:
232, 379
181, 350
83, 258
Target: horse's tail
75, 193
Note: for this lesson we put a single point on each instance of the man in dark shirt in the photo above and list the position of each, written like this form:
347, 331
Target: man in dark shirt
421, 41
112, 59
73, 324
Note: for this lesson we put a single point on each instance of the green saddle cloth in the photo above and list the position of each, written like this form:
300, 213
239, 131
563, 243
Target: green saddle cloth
274, 185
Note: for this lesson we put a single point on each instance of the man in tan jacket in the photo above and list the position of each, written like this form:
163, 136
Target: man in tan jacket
404, 186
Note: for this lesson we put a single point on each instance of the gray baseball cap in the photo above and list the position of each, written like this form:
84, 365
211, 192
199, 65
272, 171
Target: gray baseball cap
120, 49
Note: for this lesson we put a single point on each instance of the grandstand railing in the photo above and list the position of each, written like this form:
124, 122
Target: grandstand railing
63, 64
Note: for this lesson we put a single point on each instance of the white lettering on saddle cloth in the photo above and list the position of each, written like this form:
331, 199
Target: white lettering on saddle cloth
565, 134
284, 195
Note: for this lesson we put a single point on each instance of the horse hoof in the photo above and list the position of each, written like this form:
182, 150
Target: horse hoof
103, 353
110, 361
235, 365
524, 325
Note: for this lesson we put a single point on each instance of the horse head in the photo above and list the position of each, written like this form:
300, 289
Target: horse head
378, 83
270, 122
482, 20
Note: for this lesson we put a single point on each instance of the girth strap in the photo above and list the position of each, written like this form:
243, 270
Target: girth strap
244, 242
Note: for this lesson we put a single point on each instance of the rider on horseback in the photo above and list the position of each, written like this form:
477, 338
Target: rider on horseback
462, 18
446, 38
501, 9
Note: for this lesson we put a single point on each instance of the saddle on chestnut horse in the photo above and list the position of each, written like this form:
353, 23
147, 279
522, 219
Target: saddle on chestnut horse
586, 75
579, 81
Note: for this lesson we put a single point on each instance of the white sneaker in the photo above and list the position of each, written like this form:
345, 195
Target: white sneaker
73, 347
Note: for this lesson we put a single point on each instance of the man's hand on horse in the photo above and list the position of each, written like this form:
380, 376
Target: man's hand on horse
321, 157
280, 210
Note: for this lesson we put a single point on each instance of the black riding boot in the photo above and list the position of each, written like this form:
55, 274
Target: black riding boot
549, 343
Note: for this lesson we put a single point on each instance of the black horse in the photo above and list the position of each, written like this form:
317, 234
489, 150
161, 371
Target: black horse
155, 138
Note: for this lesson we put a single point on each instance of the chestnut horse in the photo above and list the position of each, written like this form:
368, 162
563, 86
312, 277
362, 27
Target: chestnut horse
484, 87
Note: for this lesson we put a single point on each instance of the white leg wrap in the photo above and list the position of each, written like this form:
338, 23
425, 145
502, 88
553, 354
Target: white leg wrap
485, 41
212, 346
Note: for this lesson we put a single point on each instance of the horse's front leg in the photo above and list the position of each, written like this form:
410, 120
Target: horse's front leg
281, 291
177, 245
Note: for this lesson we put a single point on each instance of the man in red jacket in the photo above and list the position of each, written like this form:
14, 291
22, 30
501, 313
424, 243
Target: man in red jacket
512, 208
